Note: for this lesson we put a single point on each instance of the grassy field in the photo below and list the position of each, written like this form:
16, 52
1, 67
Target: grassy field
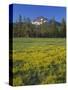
39, 61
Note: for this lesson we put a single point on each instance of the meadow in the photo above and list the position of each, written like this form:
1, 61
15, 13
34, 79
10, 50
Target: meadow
39, 61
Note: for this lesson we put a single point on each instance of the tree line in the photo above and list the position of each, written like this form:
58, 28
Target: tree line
24, 28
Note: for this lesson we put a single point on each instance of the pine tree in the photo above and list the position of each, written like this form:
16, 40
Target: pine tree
53, 28
63, 28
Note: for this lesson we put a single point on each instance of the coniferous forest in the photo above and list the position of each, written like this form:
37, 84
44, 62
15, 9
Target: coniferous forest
24, 28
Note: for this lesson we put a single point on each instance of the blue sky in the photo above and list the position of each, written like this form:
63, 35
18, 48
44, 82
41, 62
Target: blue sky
33, 11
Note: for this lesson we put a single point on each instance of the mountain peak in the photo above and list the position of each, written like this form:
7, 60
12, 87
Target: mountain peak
39, 20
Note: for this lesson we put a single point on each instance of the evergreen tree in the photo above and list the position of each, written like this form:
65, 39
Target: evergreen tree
53, 28
63, 28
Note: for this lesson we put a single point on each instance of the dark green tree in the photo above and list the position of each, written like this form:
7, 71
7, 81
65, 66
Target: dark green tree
63, 28
53, 31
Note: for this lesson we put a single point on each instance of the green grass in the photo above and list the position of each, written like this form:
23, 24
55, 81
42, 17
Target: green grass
39, 61
24, 43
